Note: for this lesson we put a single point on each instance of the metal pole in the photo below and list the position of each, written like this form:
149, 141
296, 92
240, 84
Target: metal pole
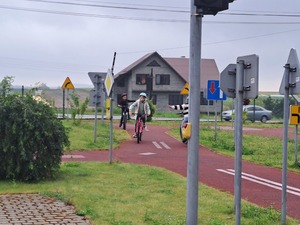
64, 99
111, 130
208, 110
194, 106
111, 113
216, 113
96, 109
68, 103
285, 144
102, 100
296, 144
238, 123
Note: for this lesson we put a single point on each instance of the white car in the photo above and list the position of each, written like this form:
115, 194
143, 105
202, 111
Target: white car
256, 113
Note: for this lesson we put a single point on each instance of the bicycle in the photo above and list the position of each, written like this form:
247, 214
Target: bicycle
139, 127
124, 117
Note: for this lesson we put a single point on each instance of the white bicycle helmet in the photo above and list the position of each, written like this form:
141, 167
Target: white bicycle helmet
143, 94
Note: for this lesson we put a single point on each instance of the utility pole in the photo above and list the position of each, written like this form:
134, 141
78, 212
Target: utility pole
199, 8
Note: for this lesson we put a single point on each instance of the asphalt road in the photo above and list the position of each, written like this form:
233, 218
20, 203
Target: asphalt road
260, 184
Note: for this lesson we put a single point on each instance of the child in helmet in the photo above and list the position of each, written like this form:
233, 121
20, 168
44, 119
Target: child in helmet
141, 108
123, 103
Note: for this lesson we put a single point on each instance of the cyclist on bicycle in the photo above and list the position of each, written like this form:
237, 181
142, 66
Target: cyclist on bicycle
141, 109
185, 110
123, 103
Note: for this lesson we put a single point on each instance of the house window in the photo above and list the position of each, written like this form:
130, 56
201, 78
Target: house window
175, 99
141, 79
162, 79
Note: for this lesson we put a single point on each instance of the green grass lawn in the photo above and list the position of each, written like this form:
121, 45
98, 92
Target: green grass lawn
262, 150
126, 194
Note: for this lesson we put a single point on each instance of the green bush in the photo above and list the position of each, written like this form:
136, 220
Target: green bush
153, 110
32, 139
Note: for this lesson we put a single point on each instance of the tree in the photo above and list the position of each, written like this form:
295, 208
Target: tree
77, 108
5, 85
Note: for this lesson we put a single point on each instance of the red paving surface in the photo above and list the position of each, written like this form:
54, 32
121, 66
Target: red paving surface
260, 184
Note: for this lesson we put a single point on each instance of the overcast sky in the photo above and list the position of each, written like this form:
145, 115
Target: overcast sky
48, 40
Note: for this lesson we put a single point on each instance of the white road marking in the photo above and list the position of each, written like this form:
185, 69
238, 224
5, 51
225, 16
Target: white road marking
156, 144
160, 145
165, 145
147, 153
262, 181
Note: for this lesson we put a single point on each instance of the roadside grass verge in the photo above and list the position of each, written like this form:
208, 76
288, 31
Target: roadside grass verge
82, 136
125, 194
258, 149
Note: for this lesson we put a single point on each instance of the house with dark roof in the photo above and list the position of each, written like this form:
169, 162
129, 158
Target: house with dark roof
163, 79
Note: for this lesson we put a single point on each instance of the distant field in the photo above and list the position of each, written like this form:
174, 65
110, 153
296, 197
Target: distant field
55, 96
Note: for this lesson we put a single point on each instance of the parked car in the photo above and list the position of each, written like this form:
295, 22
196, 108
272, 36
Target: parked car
256, 113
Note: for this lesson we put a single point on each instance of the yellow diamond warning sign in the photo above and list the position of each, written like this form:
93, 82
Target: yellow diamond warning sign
109, 81
67, 84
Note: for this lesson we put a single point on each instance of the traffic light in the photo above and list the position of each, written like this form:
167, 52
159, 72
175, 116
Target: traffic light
212, 7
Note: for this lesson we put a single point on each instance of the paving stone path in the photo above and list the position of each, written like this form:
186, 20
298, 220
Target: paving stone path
34, 209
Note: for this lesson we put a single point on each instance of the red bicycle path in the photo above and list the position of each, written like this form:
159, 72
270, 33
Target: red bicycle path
260, 184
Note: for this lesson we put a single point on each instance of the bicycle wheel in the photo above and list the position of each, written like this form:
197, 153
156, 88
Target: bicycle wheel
138, 133
124, 120
141, 130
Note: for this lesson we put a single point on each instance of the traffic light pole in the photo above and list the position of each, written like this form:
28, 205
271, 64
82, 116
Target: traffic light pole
194, 106
199, 8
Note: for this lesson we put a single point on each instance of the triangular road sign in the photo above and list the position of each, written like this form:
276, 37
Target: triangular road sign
67, 84
185, 89
292, 70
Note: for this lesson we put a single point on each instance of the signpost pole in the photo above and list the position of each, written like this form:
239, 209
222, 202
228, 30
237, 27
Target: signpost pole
96, 109
68, 103
238, 134
103, 100
285, 144
216, 120
64, 99
110, 80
